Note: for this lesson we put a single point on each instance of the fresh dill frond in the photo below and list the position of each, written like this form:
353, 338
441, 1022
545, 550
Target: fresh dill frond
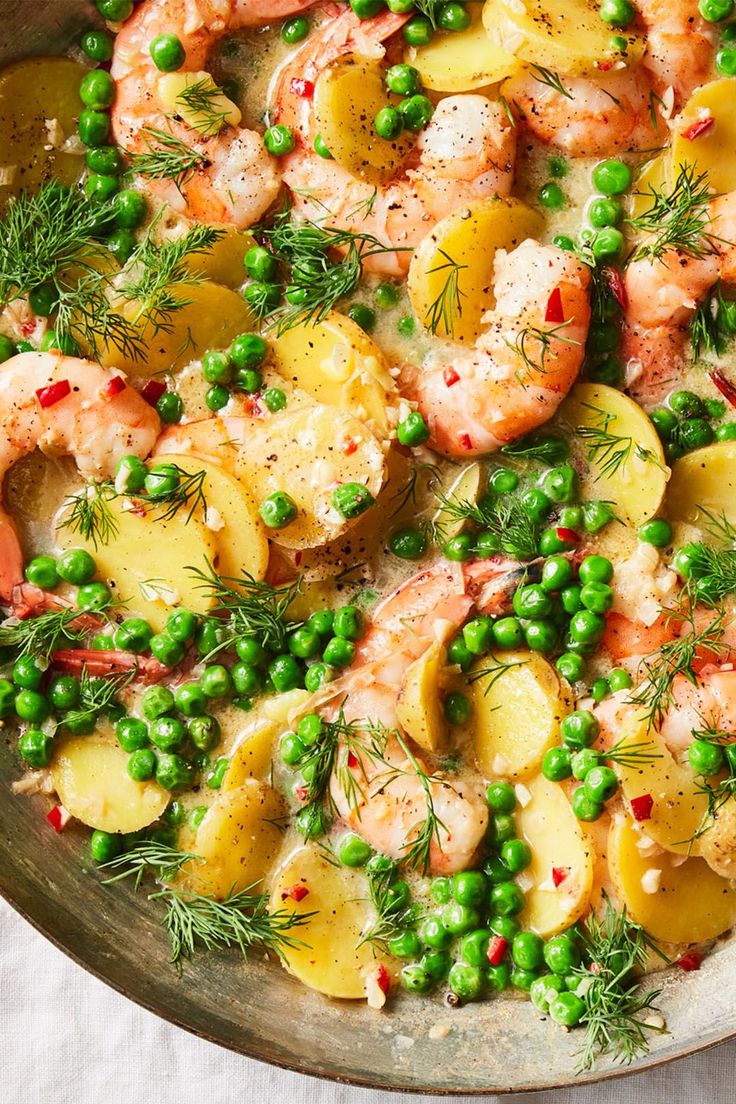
42, 634
203, 102
431, 9
551, 79
494, 670
188, 493
428, 829
96, 695
655, 101
167, 158
532, 345
253, 608
608, 450
149, 856
394, 913
710, 328
634, 755
677, 218
408, 490
717, 795
545, 448
447, 306
515, 530
615, 950
90, 514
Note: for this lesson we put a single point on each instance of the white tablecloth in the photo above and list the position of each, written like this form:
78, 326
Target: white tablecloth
65, 1038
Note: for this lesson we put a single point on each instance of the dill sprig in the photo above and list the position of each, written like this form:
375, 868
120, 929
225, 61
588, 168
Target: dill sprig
514, 528
408, 490
167, 158
677, 218
496, 668
532, 345
608, 450
148, 857
429, 8
615, 949
43, 634
710, 330
545, 448
95, 696
447, 307
202, 99
428, 829
551, 79
254, 608
394, 913
632, 755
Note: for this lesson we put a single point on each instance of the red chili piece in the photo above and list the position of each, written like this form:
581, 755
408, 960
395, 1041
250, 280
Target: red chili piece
698, 128
497, 948
642, 807
295, 893
54, 393
554, 311
465, 441
353, 760
302, 793
568, 535
450, 376
727, 389
152, 391
58, 818
617, 286
113, 387
383, 978
690, 962
559, 873
349, 447
300, 87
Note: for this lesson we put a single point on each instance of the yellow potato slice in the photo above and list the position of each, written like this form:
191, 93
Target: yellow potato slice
347, 98
332, 960
455, 62
466, 487
91, 778
239, 533
568, 36
712, 151
676, 902
337, 363
450, 280
516, 715
679, 807
656, 175
197, 101
239, 838
209, 318
39, 108
418, 709
146, 562
307, 451
223, 263
551, 829
253, 752
704, 479
625, 461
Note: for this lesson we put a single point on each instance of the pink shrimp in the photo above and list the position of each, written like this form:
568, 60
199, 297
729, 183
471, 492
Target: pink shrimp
680, 47
236, 179
523, 364
66, 406
467, 151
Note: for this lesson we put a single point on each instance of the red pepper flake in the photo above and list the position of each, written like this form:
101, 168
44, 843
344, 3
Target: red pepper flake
568, 535
698, 128
27, 328
559, 874
616, 285
54, 393
113, 387
690, 962
383, 978
554, 311
604, 66
465, 441
594, 968
301, 87
349, 446
353, 760
298, 558
302, 793
295, 893
722, 384
152, 391
497, 948
450, 376
642, 806
58, 818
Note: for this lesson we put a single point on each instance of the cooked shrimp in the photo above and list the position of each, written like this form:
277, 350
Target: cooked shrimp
237, 179
466, 152
523, 364
594, 117
680, 45
65, 406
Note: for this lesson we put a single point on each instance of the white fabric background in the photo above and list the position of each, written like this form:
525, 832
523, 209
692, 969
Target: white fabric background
65, 1038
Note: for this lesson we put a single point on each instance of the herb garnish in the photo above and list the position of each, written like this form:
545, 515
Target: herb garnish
710, 330
515, 529
677, 218
43, 634
167, 158
532, 346
495, 670
447, 306
95, 696
202, 99
254, 608
551, 79
394, 913
606, 449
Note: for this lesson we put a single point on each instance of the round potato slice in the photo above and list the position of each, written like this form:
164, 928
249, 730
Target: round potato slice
704, 479
333, 957
39, 109
551, 829
465, 487
91, 778
516, 713
625, 461
336, 362
347, 98
252, 753
455, 62
707, 149
223, 263
307, 452
675, 901
450, 278
568, 36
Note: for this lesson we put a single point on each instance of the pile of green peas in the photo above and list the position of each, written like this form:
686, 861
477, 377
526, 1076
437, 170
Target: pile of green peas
239, 369
412, 112
575, 758
684, 422
419, 29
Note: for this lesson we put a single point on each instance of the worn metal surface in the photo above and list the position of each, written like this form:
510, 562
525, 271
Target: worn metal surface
497, 1046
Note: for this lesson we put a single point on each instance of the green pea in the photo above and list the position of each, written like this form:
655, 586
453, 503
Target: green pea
507, 633
457, 708
406, 326
609, 371
94, 127
408, 544
142, 765
459, 548
532, 602
291, 749
339, 652
121, 243
64, 692
132, 733
561, 484
44, 300
567, 1009
303, 643
104, 846
436, 964
414, 977
172, 770
579, 729
570, 666
191, 700
156, 701
97, 89
97, 45
726, 61
405, 945
7, 697
563, 241
388, 123
416, 112
294, 30
544, 989
285, 673
31, 705
596, 569
694, 433
94, 596
216, 776
279, 140
166, 650
316, 675
516, 854
596, 597
551, 196
522, 979
501, 797
453, 17
348, 623
474, 947
612, 177
618, 679
26, 673
715, 11
459, 653
441, 890
469, 887
76, 566
596, 515
585, 806
167, 53
507, 899
498, 977
36, 747
278, 510
117, 11
540, 636
583, 761
570, 599
465, 980
352, 499
557, 573
458, 918
7, 348
418, 31
167, 733
561, 954
617, 13
352, 850
601, 783
556, 766
604, 212
705, 757
478, 635
527, 951
403, 80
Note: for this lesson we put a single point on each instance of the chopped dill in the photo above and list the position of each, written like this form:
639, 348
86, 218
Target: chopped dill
202, 100
254, 609
607, 450
447, 307
677, 218
167, 158
551, 79
496, 668
532, 345
40, 636
515, 529
394, 913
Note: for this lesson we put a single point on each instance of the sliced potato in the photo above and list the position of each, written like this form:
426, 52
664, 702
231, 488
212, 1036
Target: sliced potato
655, 175
679, 807
466, 487
90, 774
239, 837
418, 709
347, 98
606, 425
232, 516
332, 960
336, 362
516, 715
461, 249
460, 62
39, 109
223, 263
551, 829
252, 754
703, 479
567, 36
711, 151
195, 98
676, 902
718, 841
308, 451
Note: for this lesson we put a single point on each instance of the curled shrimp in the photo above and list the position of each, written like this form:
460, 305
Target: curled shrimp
680, 45
522, 365
66, 406
466, 151
235, 179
